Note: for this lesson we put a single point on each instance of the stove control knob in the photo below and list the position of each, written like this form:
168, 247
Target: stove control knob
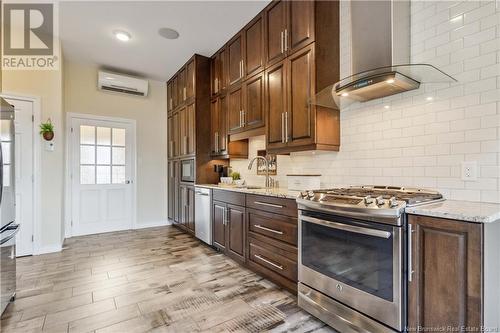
393, 202
380, 201
303, 195
310, 194
368, 200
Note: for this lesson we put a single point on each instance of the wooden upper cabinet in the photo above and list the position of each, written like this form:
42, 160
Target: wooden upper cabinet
171, 138
169, 96
183, 135
275, 104
235, 66
254, 46
181, 86
214, 125
176, 134
190, 79
175, 93
275, 24
300, 115
253, 110
300, 25
218, 72
235, 110
190, 144
446, 286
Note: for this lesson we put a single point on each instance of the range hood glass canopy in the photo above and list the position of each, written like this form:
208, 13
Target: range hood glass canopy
379, 82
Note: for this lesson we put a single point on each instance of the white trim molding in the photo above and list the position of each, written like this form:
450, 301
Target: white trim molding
152, 224
37, 166
48, 249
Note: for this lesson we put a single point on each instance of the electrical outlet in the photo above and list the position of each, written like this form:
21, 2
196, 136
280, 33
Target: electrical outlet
469, 171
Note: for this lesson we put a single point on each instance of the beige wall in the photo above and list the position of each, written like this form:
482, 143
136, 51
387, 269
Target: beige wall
82, 96
46, 85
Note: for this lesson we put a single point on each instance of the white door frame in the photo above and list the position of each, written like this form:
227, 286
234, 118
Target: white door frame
37, 163
68, 210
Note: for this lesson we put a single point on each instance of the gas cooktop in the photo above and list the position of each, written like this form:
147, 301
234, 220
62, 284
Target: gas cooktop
385, 200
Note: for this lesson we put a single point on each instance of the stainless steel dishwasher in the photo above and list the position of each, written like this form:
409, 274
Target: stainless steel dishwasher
203, 214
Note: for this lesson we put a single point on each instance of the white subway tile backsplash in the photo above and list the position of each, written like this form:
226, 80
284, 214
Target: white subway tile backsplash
414, 141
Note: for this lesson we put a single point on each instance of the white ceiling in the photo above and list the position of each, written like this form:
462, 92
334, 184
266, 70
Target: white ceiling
86, 30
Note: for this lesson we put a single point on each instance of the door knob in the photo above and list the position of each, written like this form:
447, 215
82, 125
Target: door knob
128, 182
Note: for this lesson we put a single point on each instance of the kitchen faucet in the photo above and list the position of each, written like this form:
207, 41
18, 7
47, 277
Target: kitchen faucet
268, 179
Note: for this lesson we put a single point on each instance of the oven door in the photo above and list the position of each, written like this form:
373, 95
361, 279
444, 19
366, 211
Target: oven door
187, 170
355, 262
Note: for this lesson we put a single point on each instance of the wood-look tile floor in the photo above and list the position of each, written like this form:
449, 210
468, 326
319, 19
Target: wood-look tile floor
150, 280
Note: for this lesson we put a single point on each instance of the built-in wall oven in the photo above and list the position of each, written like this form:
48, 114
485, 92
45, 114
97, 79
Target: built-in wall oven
187, 170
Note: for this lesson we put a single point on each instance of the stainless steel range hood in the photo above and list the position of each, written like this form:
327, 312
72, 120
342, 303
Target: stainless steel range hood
380, 56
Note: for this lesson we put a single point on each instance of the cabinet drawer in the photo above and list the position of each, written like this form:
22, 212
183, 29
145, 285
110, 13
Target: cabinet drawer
272, 259
272, 204
231, 197
282, 228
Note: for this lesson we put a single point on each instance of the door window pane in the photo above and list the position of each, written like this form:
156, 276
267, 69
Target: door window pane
118, 137
6, 149
6, 175
104, 136
118, 174
104, 155
5, 128
87, 135
118, 156
87, 175
87, 154
103, 174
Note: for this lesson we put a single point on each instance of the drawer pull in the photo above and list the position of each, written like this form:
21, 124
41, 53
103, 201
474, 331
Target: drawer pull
268, 229
267, 204
268, 262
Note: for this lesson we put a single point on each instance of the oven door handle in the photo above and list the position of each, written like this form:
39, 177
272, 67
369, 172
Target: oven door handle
347, 227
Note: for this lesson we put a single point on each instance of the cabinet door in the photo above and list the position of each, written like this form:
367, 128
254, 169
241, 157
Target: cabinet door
254, 47
181, 86
190, 79
171, 138
169, 97
219, 225
176, 133
171, 188
235, 109
300, 27
190, 129
190, 208
174, 92
236, 232
213, 75
275, 104
446, 286
176, 192
223, 71
253, 111
300, 117
182, 145
275, 25
223, 115
183, 205
214, 124
235, 59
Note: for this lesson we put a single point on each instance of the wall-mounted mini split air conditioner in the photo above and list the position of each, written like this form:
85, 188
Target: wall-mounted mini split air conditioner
121, 83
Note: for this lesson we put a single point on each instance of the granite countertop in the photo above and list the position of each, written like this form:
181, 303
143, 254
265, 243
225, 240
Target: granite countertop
479, 212
272, 192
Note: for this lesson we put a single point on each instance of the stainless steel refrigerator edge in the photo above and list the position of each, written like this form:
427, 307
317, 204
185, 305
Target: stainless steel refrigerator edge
203, 214
8, 226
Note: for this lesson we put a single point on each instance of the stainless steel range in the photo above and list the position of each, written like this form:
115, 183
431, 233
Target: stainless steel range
353, 255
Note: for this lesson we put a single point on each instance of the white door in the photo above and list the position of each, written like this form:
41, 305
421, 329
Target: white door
102, 169
24, 174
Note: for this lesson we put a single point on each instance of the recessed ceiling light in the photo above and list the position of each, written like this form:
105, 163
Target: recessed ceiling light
345, 94
386, 106
168, 33
122, 35
430, 98
390, 81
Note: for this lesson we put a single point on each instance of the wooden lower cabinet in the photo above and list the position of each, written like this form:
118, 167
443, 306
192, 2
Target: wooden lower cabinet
446, 286
229, 229
186, 207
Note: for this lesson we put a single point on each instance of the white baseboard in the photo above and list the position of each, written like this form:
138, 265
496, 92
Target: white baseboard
48, 249
152, 224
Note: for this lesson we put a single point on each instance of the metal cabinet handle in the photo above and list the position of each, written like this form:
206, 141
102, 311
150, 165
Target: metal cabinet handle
184, 93
286, 39
171, 103
282, 127
267, 204
280, 267
286, 126
243, 117
282, 41
410, 252
258, 226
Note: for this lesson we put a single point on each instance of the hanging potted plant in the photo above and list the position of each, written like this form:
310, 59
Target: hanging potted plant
47, 130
